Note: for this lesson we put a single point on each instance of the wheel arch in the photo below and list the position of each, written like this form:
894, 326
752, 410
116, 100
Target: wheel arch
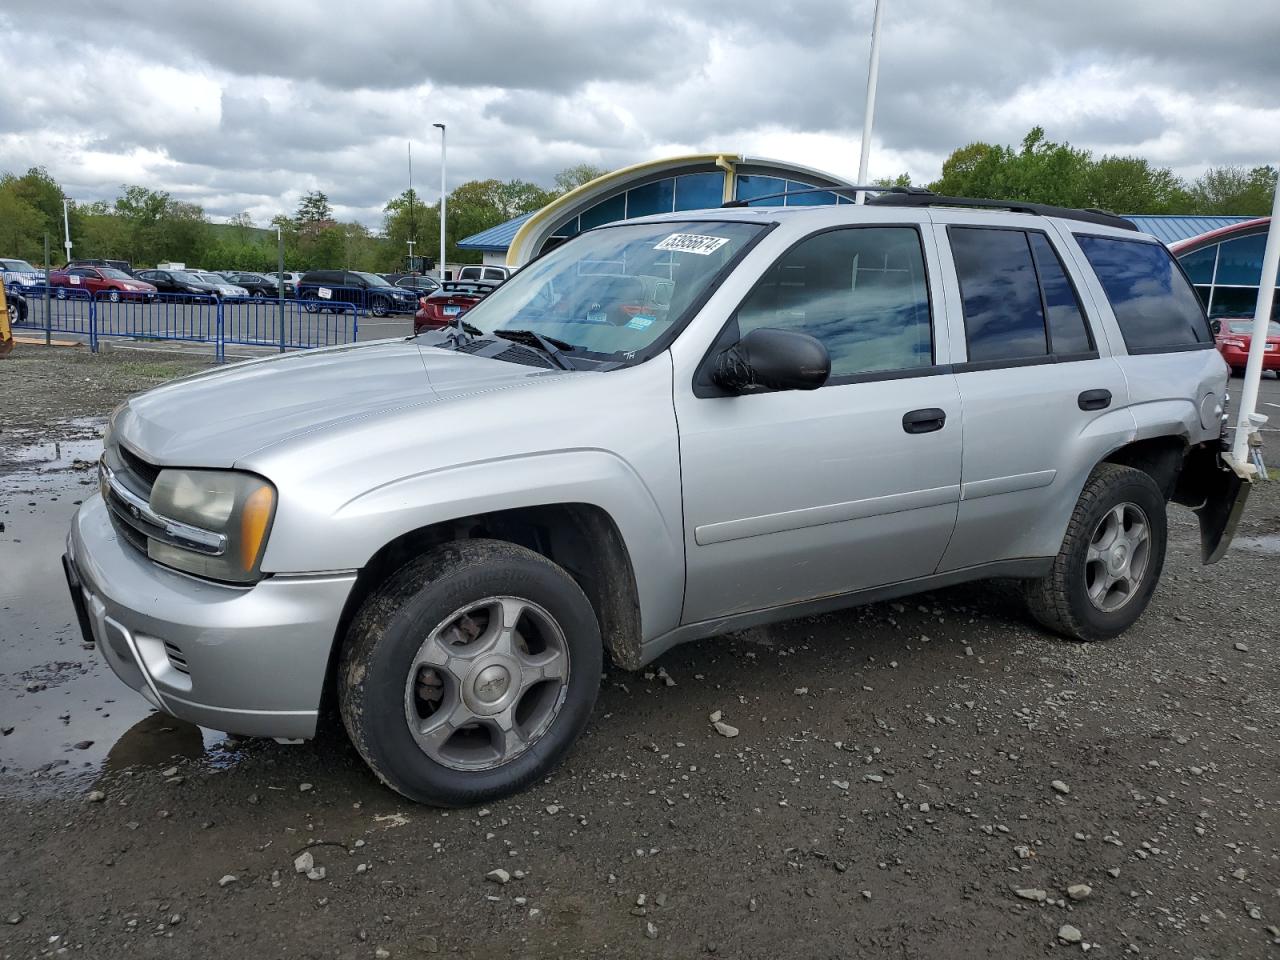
580, 537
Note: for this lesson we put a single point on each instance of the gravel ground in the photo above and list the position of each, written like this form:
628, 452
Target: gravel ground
930, 778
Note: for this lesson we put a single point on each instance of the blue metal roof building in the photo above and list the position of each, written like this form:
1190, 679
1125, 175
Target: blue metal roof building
1171, 229
495, 239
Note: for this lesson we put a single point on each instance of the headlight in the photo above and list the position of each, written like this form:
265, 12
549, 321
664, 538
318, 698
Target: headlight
234, 510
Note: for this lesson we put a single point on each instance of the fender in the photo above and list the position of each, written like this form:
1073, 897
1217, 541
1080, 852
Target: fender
347, 537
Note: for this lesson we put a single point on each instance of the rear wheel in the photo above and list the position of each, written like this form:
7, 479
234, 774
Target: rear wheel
470, 673
1111, 557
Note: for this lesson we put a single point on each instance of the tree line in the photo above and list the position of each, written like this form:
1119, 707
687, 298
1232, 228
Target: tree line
148, 226
1042, 171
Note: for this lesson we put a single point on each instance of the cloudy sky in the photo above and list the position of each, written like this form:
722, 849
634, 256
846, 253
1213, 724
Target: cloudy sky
244, 105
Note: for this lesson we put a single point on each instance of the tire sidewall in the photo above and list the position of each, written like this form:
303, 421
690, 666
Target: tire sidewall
375, 683
1139, 489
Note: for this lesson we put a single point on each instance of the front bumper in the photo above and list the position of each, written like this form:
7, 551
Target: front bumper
250, 661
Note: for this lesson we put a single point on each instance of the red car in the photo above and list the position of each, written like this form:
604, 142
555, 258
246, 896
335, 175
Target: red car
446, 305
106, 282
1234, 337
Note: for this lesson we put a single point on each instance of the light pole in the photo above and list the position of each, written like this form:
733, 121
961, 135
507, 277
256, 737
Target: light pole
66, 228
869, 113
443, 219
412, 268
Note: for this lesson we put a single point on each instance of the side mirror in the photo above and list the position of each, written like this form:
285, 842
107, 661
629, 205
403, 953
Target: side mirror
773, 359
1215, 326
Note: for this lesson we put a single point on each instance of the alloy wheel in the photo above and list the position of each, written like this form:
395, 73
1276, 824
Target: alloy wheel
487, 683
1117, 557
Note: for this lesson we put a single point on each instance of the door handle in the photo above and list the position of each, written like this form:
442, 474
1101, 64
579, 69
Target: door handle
924, 421
1094, 400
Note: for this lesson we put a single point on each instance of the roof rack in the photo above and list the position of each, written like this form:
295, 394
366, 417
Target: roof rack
926, 198
869, 188
920, 197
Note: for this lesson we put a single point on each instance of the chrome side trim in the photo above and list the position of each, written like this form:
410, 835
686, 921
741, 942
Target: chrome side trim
146, 521
976, 489
725, 530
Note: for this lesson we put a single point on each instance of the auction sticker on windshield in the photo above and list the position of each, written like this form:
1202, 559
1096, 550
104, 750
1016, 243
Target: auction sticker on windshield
692, 243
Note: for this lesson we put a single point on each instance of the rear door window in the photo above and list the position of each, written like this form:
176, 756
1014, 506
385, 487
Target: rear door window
1068, 333
1019, 303
1154, 305
1003, 312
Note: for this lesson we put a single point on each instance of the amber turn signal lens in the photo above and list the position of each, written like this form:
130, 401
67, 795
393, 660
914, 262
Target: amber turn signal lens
253, 524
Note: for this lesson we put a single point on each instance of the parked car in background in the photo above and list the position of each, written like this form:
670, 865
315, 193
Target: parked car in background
19, 274
483, 272
366, 290
124, 266
225, 287
1235, 337
114, 284
16, 308
451, 301
256, 284
291, 280
418, 283
178, 281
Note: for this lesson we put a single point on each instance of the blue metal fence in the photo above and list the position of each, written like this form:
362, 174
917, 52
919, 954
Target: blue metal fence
284, 324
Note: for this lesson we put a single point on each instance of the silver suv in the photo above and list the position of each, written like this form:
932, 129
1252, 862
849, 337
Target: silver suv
663, 430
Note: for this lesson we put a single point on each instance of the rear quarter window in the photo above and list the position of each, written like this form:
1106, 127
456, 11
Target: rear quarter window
1154, 305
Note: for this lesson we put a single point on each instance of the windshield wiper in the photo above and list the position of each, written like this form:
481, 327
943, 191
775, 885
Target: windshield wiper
547, 345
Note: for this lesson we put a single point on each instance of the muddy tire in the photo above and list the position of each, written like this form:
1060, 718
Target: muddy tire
470, 673
1110, 561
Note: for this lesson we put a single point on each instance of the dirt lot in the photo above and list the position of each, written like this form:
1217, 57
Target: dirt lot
902, 772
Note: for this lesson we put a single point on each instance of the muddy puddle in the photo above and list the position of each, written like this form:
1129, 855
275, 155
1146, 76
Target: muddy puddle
64, 717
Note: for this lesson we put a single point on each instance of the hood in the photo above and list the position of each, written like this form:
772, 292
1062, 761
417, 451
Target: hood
215, 419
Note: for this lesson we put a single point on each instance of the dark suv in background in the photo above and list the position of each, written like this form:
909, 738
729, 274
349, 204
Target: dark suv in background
366, 290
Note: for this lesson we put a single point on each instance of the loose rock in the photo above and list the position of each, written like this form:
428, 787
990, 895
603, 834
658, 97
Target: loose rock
725, 729
1069, 934
498, 876
1060, 787
1079, 891
228, 880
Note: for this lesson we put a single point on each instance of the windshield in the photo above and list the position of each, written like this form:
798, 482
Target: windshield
373, 278
615, 290
212, 278
113, 274
184, 277
1246, 327
20, 266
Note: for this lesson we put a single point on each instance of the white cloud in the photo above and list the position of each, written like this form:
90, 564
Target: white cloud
240, 106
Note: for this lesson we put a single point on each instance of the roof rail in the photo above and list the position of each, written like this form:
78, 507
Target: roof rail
920, 197
927, 198
871, 188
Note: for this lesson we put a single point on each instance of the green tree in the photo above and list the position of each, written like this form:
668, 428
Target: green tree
314, 208
1234, 191
575, 176
22, 228
901, 180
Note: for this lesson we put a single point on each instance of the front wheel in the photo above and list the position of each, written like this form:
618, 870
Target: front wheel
114, 296
380, 307
1111, 557
470, 673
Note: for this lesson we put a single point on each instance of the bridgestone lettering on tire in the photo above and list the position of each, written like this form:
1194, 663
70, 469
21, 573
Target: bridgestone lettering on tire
1111, 557
470, 673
